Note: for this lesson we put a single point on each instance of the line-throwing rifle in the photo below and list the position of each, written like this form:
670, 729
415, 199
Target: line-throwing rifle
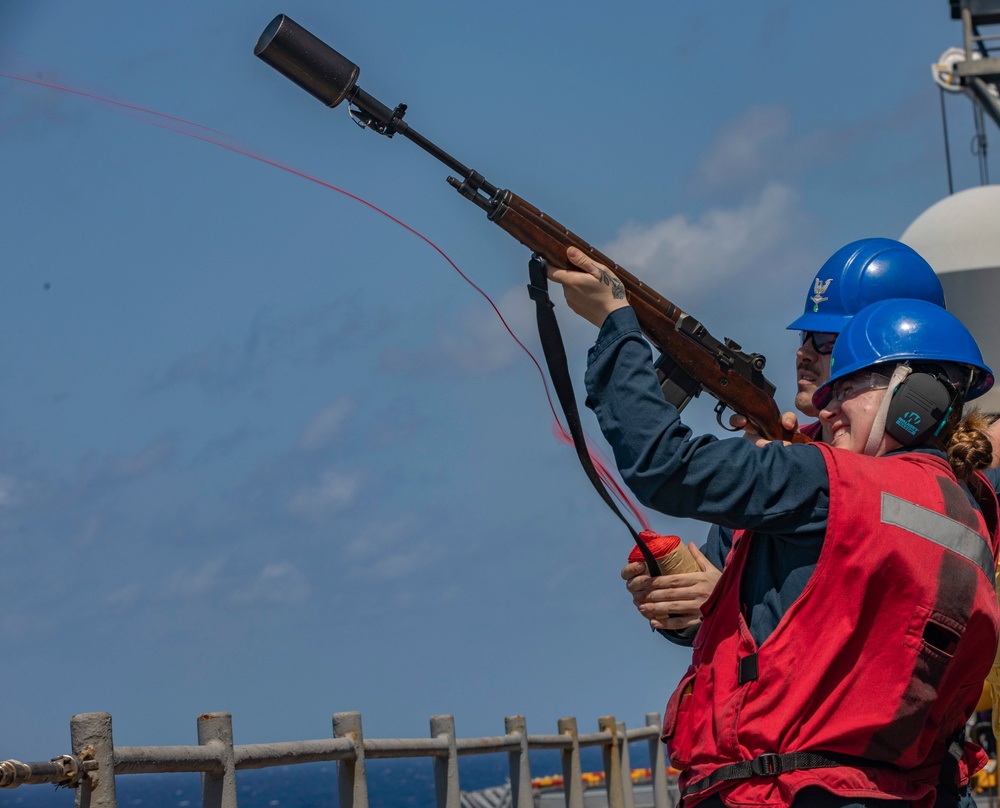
692, 359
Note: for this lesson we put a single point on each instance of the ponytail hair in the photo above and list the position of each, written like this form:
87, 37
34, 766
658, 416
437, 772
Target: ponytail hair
966, 443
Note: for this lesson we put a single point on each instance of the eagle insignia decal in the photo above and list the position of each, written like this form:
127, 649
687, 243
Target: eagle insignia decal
819, 289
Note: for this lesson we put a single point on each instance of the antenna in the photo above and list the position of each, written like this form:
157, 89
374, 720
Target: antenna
975, 67
974, 70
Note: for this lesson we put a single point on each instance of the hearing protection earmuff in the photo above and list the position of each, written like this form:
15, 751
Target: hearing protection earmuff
919, 408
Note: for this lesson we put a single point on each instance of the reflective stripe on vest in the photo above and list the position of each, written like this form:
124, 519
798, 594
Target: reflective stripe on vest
937, 528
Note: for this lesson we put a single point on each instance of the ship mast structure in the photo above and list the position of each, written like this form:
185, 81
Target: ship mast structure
974, 70
960, 235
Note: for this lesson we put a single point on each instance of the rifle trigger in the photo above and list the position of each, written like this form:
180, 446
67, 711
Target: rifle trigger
719, 409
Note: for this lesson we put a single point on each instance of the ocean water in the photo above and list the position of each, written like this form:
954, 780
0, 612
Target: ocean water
402, 783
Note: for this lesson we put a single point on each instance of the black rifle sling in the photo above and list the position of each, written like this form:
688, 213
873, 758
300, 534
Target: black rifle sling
555, 360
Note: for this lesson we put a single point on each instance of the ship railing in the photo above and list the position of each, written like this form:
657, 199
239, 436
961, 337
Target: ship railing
96, 762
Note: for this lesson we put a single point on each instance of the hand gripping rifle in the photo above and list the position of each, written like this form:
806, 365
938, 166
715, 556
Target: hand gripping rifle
692, 359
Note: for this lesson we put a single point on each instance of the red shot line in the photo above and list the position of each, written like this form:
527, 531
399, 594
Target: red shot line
222, 140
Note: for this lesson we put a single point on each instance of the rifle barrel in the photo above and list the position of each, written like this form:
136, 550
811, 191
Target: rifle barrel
721, 368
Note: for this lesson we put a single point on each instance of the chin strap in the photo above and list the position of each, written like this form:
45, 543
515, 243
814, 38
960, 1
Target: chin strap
878, 425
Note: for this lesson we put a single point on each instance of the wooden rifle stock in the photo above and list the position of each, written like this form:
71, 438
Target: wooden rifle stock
721, 368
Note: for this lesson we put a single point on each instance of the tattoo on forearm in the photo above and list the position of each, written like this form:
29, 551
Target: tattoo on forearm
617, 287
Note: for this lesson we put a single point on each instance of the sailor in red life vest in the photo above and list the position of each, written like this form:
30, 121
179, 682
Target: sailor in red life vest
855, 276
856, 693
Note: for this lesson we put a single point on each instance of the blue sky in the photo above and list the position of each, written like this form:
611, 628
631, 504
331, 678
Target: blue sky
262, 451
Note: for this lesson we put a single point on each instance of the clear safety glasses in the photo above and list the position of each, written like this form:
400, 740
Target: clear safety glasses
845, 388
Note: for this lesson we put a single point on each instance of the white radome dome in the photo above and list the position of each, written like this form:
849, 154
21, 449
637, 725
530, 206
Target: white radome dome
960, 232
960, 237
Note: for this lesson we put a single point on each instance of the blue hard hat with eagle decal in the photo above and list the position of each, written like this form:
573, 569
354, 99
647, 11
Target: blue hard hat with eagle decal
861, 273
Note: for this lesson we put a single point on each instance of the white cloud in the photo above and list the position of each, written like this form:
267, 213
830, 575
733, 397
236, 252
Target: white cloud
481, 343
24, 625
123, 599
679, 256
394, 549
746, 149
192, 583
277, 583
476, 343
137, 464
325, 425
332, 492
8, 490
89, 529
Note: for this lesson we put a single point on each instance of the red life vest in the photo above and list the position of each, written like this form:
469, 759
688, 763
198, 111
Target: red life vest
881, 659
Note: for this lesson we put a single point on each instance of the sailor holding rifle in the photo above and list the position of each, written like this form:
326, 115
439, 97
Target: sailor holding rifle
858, 693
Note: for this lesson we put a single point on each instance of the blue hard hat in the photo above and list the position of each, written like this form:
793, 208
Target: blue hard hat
904, 330
861, 273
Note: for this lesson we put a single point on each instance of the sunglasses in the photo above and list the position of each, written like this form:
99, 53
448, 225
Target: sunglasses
822, 341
